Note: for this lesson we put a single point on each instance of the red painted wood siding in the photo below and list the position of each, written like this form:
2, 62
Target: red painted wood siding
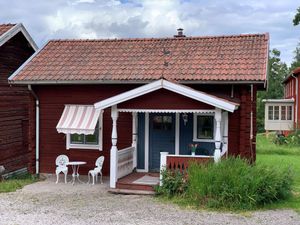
290, 92
53, 98
14, 103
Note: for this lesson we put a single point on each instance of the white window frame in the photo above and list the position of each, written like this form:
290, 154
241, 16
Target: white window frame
280, 118
98, 146
195, 138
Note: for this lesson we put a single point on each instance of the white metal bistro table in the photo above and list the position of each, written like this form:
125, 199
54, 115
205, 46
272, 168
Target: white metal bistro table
75, 167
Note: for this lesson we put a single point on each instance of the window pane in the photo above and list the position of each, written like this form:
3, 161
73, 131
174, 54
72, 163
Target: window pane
283, 113
276, 112
157, 122
167, 122
91, 139
270, 112
289, 112
205, 127
162, 122
77, 138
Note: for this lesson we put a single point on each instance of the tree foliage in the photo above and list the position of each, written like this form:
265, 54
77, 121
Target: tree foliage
276, 74
296, 19
296, 61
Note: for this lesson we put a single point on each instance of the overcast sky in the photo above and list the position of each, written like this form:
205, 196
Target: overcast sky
49, 19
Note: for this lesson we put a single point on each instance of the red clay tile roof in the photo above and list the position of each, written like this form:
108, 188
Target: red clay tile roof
5, 27
217, 58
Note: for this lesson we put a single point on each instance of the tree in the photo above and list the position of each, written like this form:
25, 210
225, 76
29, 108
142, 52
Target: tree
276, 74
296, 19
296, 62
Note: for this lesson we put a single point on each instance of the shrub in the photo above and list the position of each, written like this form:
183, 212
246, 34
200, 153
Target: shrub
174, 183
234, 184
294, 138
280, 139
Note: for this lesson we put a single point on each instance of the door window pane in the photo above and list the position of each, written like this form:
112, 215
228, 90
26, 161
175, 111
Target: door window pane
162, 122
283, 113
205, 127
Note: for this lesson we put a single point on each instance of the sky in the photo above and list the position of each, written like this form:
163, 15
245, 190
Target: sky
53, 19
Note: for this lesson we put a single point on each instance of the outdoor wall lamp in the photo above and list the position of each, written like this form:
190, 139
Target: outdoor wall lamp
185, 118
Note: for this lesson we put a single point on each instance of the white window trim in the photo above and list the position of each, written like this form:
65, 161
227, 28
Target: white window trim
286, 111
195, 139
99, 146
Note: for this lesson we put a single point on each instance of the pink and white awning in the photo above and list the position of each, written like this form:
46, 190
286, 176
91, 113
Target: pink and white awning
79, 119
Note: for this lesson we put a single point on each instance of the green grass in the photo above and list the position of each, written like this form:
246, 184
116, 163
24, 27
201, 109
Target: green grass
266, 146
273, 155
15, 183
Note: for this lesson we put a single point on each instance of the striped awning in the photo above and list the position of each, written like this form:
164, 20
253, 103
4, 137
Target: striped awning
78, 119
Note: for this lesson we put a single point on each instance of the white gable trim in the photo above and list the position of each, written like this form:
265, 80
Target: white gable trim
177, 88
13, 31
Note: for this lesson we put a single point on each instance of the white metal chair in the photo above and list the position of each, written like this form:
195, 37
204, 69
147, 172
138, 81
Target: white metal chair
98, 170
61, 166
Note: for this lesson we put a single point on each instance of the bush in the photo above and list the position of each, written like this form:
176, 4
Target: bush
174, 183
294, 138
234, 184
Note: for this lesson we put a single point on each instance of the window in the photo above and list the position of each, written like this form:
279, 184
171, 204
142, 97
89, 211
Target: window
162, 122
81, 139
283, 112
91, 141
276, 112
270, 112
203, 127
289, 112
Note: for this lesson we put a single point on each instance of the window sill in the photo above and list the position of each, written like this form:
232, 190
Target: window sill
82, 146
203, 140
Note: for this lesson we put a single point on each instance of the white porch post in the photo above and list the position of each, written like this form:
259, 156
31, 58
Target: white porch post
218, 117
114, 149
134, 138
163, 165
225, 132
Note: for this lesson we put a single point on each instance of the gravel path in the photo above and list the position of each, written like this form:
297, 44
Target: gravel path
47, 203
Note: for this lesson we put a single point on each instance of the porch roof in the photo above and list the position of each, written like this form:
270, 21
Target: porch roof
170, 86
79, 119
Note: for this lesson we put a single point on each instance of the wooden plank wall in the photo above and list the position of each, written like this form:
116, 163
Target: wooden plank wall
14, 103
52, 100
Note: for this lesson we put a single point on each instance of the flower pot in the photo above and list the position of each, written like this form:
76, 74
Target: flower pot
193, 153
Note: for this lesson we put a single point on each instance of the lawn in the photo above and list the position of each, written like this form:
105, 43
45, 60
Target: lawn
281, 156
14, 183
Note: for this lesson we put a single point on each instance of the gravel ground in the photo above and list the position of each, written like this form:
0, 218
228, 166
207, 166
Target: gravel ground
47, 203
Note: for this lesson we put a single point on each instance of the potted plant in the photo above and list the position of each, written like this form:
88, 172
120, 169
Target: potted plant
193, 148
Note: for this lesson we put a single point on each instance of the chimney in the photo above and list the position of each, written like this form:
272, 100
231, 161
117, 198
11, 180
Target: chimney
179, 33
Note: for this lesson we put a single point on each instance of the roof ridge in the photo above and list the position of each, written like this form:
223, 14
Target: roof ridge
162, 38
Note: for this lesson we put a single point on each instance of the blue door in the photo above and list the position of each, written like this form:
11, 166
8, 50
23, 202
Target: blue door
161, 137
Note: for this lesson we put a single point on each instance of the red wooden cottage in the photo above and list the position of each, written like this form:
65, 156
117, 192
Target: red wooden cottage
142, 102
16, 46
284, 114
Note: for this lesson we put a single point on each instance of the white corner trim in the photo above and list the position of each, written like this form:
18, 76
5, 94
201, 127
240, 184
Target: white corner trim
176, 88
177, 133
146, 148
13, 31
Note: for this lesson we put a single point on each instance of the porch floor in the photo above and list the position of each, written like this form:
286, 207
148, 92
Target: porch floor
138, 181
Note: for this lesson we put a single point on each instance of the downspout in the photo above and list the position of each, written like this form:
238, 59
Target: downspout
297, 100
37, 129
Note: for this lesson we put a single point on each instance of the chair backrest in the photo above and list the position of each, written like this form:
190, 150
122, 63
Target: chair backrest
62, 160
99, 162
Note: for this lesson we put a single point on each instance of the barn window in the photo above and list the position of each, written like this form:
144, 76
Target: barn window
203, 127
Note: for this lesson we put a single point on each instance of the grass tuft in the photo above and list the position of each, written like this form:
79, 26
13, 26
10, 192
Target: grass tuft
16, 182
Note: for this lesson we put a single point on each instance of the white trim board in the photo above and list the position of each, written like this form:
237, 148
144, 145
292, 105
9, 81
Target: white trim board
13, 31
176, 88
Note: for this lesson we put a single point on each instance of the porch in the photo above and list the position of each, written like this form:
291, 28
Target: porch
162, 132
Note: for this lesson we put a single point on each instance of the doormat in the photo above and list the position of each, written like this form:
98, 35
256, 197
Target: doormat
148, 180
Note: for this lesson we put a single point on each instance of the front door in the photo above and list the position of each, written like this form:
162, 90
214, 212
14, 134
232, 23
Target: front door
161, 137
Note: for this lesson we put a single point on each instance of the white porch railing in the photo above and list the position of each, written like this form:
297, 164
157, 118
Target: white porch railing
125, 161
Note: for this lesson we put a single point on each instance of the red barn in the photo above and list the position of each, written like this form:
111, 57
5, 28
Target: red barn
142, 102
16, 46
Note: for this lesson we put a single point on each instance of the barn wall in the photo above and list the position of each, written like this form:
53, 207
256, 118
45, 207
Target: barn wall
14, 103
53, 98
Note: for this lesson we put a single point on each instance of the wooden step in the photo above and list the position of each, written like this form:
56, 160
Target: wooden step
130, 192
132, 186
